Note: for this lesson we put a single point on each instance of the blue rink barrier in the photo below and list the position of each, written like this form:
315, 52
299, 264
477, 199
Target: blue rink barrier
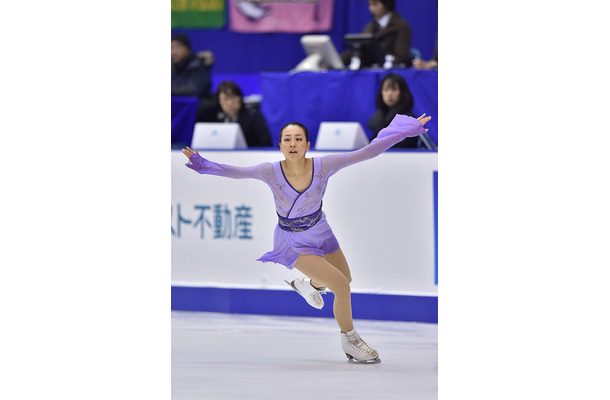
285, 302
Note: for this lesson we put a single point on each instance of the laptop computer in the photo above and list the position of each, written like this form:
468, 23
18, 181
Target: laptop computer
218, 135
340, 136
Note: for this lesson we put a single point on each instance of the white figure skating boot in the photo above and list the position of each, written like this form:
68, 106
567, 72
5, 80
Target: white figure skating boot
311, 294
357, 350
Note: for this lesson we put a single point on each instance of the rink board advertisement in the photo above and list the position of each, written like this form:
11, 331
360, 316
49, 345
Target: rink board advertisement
381, 210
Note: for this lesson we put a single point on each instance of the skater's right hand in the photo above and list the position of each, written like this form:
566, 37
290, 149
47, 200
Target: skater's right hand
188, 152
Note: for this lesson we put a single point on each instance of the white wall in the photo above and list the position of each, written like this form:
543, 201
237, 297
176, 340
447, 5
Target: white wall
381, 210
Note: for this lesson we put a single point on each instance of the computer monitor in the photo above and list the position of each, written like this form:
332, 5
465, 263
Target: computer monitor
321, 54
366, 48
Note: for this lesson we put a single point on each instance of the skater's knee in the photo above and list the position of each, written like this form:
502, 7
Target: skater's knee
348, 279
340, 286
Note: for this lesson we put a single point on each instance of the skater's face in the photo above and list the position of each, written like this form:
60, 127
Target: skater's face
293, 142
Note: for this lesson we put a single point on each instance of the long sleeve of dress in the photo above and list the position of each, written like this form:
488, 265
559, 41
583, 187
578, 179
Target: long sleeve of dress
401, 127
203, 166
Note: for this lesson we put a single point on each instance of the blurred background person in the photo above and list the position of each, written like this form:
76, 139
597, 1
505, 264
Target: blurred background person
191, 74
393, 97
190, 77
230, 107
392, 32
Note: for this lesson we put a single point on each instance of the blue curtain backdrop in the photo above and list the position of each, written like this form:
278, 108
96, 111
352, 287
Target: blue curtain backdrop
247, 53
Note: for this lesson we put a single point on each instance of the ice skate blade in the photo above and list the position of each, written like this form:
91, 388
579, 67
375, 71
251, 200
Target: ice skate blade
351, 359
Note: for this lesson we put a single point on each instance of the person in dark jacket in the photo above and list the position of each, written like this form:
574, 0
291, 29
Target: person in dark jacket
229, 101
191, 75
392, 32
394, 97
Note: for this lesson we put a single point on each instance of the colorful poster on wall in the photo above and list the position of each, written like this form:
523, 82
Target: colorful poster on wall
295, 16
198, 13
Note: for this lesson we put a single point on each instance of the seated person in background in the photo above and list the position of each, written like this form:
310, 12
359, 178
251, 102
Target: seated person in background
230, 108
190, 77
392, 32
394, 97
190, 73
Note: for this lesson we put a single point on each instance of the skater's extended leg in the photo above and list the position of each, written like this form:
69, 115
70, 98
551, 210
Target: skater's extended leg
321, 271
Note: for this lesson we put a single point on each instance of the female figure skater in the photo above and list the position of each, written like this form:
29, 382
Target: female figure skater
303, 239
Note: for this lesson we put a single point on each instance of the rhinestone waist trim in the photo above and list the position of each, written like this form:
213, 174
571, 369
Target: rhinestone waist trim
299, 224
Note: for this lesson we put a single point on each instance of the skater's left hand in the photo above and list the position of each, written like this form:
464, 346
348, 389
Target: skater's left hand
188, 152
423, 119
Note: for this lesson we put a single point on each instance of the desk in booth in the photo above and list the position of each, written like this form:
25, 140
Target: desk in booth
313, 97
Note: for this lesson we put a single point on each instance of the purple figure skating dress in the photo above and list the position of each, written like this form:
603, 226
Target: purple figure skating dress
302, 226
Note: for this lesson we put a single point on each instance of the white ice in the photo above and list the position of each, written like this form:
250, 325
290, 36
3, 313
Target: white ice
236, 356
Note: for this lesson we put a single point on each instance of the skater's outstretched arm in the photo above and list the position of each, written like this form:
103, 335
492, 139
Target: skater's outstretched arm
401, 127
203, 166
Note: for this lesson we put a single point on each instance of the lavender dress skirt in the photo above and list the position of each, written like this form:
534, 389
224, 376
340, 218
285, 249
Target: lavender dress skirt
318, 240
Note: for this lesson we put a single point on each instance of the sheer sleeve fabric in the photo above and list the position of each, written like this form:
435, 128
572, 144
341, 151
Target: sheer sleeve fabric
204, 166
401, 127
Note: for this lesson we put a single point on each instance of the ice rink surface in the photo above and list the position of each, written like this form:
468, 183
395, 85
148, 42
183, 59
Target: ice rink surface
237, 356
